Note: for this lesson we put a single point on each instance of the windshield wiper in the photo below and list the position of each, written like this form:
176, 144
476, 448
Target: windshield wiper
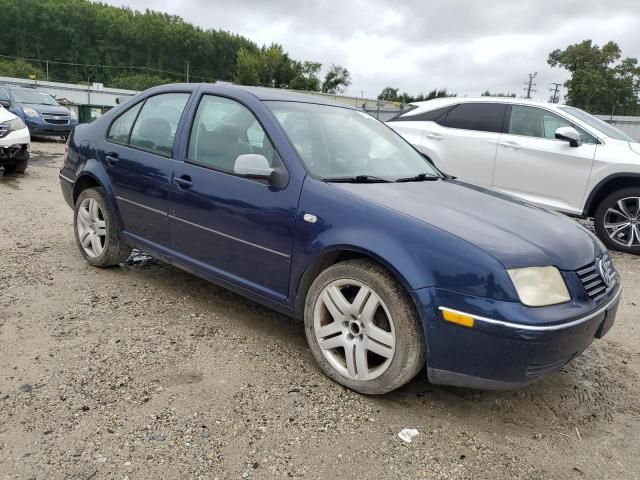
357, 179
421, 177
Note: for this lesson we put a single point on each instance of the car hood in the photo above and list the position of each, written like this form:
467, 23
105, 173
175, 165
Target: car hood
6, 115
514, 232
52, 109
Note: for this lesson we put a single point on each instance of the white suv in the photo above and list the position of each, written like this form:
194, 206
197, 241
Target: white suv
555, 156
15, 142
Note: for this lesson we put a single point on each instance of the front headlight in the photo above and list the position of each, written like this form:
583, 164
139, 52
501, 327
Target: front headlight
539, 286
15, 124
73, 115
30, 112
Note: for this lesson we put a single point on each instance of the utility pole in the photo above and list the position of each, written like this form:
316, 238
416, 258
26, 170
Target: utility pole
529, 85
187, 71
47, 70
555, 97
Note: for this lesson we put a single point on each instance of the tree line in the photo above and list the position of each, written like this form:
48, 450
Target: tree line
91, 42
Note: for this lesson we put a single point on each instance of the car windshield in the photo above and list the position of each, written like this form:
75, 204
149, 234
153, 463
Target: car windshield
340, 143
606, 128
33, 96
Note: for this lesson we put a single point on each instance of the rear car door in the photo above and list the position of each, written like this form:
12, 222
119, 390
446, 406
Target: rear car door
236, 228
533, 165
138, 158
467, 138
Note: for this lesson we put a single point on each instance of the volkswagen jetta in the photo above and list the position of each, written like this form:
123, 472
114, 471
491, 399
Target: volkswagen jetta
322, 212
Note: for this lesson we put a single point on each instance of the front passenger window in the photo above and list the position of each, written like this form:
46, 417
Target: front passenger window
222, 130
540, 123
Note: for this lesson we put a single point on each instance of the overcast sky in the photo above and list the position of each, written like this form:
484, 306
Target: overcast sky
466, 46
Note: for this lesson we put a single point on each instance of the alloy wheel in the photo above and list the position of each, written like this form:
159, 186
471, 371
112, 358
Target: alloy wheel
354, 329
92, 228
622, 222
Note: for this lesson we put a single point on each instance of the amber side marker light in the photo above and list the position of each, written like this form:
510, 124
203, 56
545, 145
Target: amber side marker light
458, 318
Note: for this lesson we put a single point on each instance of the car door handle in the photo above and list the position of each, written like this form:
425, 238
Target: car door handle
509, 144
112, 159
433, 136
183, 182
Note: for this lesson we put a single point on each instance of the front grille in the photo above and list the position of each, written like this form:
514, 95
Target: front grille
538, 369
56, 119
598, 278
4, 130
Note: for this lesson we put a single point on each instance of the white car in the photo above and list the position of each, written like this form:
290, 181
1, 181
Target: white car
554, 156
15, 142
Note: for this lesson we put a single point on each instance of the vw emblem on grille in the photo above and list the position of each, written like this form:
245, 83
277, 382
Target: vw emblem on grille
604, 272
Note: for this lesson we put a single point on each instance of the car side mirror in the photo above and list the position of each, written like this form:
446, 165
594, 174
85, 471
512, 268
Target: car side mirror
253, 165
5, 103
569, 134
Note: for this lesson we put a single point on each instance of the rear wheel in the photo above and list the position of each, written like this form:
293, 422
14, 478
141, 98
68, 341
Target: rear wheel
362, 328
96, 230
617, 220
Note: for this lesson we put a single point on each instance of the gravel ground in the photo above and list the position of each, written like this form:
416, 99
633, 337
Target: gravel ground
145, 371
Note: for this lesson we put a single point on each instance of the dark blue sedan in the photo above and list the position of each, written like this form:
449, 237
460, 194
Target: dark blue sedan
321, 212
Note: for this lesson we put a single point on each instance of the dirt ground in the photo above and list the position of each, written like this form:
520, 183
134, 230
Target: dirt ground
144, 371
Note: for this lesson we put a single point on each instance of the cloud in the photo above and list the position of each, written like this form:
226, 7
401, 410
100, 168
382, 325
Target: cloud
465, 46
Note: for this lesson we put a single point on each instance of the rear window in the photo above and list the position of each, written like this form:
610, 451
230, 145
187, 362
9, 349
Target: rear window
483, 117
430, 116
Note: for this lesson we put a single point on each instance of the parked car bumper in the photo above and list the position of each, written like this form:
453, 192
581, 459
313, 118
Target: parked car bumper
498, 353
66, 185
15, 145
38, 126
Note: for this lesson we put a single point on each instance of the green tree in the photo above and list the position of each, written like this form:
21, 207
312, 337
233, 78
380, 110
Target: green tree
487, 93
600, 80
306, 76
336, 80
138, 81
20, 69
389, 94
248, 67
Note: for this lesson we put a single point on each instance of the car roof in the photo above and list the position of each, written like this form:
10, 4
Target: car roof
261, 93
444, 101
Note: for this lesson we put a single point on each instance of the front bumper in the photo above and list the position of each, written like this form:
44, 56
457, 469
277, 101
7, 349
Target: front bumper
15, 145
497, 353
38, 126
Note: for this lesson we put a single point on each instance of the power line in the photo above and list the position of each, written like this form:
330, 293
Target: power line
126, 67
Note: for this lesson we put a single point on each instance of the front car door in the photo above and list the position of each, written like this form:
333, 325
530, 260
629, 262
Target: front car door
137, 156
236, 228
467, 138
532, 164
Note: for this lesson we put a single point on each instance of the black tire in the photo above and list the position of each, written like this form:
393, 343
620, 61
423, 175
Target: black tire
9, 167
21, 166
611, 201
410, 348
115, 251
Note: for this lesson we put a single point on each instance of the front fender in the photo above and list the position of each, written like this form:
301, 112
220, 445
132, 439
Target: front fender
419, 254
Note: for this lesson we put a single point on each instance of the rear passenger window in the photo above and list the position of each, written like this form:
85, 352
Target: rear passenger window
156, 126
483, 117
224, 129
121, 128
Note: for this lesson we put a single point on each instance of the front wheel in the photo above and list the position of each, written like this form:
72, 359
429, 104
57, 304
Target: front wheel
617, 220
362, 328
96, 230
